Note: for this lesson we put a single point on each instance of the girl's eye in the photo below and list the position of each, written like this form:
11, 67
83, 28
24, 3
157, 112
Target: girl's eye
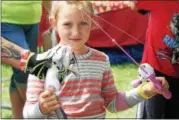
84, 23
67, 24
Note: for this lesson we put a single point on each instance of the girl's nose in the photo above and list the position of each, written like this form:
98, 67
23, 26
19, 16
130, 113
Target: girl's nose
76, 32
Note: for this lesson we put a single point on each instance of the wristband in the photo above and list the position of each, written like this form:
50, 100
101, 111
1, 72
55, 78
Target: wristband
141, 93
25, 56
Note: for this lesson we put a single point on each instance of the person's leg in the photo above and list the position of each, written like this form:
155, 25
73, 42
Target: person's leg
140, 110
154, 107
172, 108
15, 34
31, 35
17, 98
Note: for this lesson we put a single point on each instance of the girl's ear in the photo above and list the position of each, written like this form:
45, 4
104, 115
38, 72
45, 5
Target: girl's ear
53, 22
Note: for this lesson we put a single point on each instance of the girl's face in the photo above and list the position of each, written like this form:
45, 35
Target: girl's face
73, 27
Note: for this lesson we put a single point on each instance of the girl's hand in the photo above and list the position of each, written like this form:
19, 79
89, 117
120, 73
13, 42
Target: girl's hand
48, 102
148, 89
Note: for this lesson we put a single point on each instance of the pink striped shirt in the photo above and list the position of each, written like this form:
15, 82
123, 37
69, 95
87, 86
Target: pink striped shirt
88, 96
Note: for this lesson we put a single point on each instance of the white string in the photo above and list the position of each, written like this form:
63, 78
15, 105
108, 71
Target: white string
113, 40
119, 29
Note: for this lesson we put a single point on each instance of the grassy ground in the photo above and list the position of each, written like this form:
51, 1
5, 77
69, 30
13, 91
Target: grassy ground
123, 75
6, 73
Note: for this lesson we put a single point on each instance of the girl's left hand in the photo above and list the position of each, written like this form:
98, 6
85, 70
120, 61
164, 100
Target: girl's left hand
149, 89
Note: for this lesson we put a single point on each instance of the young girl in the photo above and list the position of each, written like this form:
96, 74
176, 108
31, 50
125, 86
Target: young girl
90, 93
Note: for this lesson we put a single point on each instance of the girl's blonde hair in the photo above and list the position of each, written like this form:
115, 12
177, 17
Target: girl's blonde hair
57, 5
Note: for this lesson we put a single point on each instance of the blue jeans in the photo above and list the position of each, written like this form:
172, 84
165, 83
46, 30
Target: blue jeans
25, 36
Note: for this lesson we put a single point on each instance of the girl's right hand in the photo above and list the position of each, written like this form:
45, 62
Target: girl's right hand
48, 102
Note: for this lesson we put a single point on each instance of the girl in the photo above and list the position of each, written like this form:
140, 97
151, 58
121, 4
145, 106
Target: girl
89, 95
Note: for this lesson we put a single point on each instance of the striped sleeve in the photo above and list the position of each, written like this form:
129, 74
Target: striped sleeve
117, 101
125, 100
108, 87
34, 88
114, 101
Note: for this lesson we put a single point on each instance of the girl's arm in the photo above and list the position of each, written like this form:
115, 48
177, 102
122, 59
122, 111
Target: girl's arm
119, 101
114, 101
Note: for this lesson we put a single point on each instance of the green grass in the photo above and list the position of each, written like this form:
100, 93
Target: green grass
123, 75
6, 73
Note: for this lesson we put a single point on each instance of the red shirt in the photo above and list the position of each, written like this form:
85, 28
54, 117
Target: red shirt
159, 38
